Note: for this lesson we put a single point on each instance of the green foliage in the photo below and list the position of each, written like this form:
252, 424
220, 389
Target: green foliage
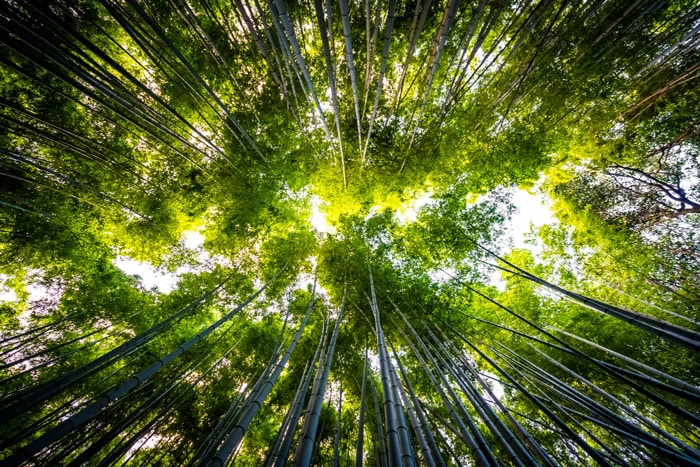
127, 126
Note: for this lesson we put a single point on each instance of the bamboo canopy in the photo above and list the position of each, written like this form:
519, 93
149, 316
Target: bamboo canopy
289, 233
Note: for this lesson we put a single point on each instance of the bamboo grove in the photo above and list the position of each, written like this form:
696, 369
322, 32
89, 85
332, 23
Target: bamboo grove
131, 127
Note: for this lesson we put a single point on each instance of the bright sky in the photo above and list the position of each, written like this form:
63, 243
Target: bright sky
318, 217
36, 291
409, 211
532, 211
163, 281
6, 293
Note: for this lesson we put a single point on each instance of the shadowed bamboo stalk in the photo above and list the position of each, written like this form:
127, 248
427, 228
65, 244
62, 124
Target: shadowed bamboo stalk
313, 412
25, 400
279, 450
235, 436
503, 435
394, 454
682, 384
552, 416
438, 46
316, 361
350, 59
417, 427
382, 458
631, 411
550, 384
359, 450
663, 329
382, 70
289, 29
602, 365
482, 455
94, 409
336, 440
408, 456
330, 69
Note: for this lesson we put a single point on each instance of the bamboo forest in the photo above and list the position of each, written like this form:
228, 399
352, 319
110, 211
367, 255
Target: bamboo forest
349, 232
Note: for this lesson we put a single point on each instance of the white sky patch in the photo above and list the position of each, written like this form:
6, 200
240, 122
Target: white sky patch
192, 239
496, 387
408, 212
532, 212
442, 275
306, 281
373, 358
318, 217
164, 282
298, 195
41, 298
372, 211
7, 294
326, 106
148, 441
329, 95
151, 82
37, 292
314, 121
